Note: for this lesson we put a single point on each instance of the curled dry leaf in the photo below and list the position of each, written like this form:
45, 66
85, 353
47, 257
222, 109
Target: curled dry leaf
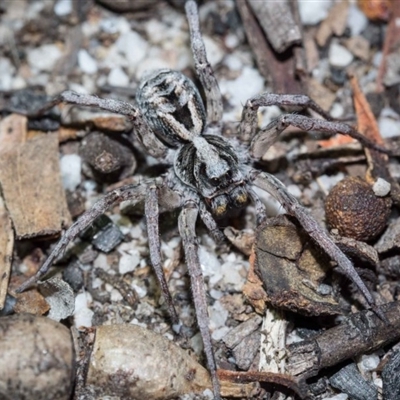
292, 269
44, 369
132, 362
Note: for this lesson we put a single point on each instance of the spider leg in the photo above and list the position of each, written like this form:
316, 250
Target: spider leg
261, 213
268, 135
291, 205
262, 140
210, 223
143, 132
203, 67
249, 124
135, 193
187, 230
152, 214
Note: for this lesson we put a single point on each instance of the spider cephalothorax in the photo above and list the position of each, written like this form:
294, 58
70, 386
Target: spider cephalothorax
209, 174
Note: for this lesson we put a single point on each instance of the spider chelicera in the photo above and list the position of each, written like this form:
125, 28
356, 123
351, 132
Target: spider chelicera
209, 174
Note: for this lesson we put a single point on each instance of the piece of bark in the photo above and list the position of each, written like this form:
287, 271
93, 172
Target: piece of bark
390, 239
390, 377
273, 341
280, 69
277, 22
6, 250
246, 350
292, 269
349, 380
32, 189
12, 131
237, 334
358, 334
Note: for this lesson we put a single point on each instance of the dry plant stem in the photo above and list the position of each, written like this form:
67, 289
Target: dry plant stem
360, 333
297, 385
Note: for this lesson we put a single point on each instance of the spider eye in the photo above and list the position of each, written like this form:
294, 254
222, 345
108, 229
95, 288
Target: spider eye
219, 206
239, 197
221, 180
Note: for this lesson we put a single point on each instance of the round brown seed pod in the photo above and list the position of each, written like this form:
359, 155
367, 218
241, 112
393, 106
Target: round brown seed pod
355, 211
37, 359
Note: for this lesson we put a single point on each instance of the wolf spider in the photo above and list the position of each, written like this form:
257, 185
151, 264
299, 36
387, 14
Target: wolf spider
209, 174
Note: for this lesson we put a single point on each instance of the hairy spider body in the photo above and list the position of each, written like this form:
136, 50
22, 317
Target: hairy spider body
209, 175
206, 163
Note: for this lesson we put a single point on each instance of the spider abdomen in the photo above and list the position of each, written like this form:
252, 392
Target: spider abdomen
172, 106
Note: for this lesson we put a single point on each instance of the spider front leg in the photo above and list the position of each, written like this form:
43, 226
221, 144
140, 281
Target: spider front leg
291, 205
135, 193
187, 230
203, 67
143, 132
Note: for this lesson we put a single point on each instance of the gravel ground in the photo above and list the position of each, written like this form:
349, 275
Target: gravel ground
54, 46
